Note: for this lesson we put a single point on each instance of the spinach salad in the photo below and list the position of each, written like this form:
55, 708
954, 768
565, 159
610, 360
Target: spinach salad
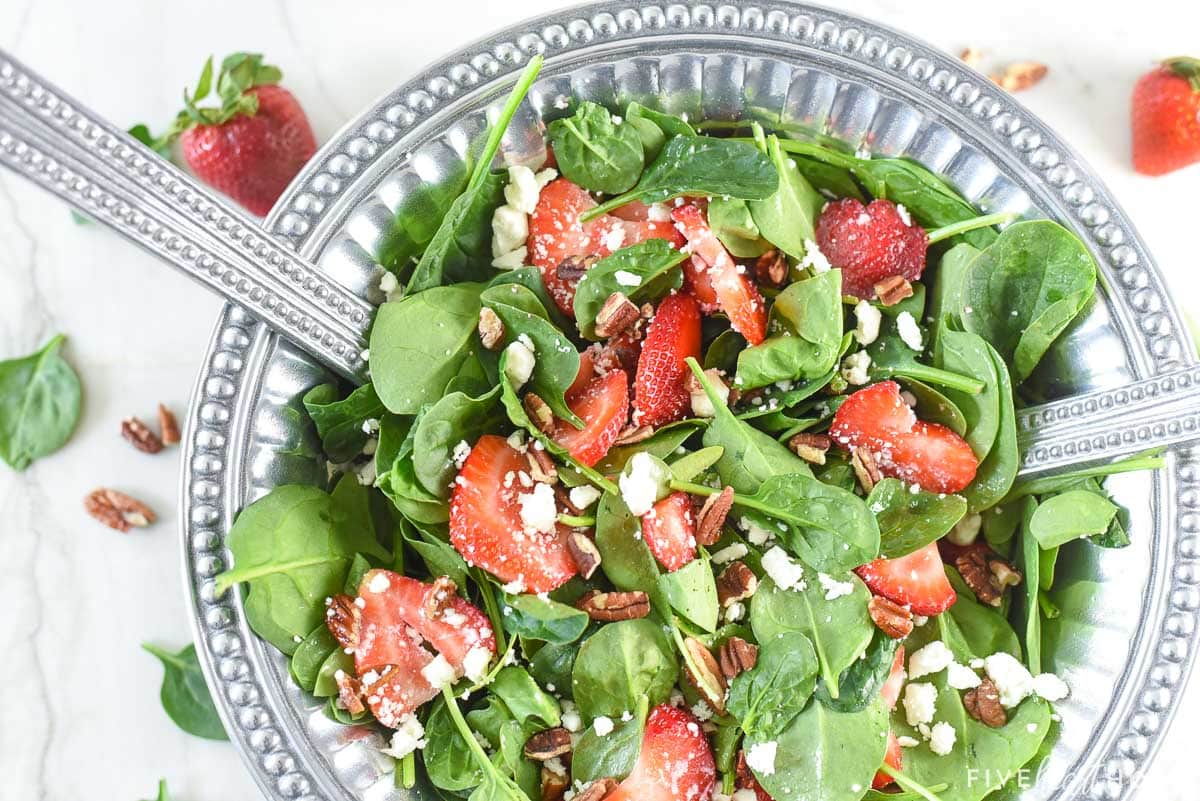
688, 469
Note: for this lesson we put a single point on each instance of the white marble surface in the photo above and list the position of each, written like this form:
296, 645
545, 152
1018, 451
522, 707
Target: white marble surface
79, 712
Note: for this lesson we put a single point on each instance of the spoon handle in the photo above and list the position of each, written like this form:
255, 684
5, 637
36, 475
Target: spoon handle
59, 144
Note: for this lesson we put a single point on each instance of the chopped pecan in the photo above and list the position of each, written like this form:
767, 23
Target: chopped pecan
541, 466
744, 396
539, 412
704, 673
610, 606
617, 314
439, 597
986, 573
491, 329
892, 619
711, 517
350, 693
140, 435
893, 290
596, 790
736, 583
572, 268
971, 56
1020, 75
771, 268
168, 426
548, 743
117, 510
343, 618
554, 784
634, 434
584, 552
737, 656
865, 468
983, 704
810, 447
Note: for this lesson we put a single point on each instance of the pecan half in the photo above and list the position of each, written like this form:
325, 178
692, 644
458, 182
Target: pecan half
711, 517
595, 791
983, 704
893, 290
539, 412
350, 693
541, 466
117, 510
554, 784
634, 434
892, 619
548, 743
491, 329
439, 597
572, 268
736, 583
343, 618
168, 426
704, 673
1020, 75
737, 656
971, 56
865, 468
986, 573
584, 552
140, 435
617, 314
810, 447
771, 268
610, 606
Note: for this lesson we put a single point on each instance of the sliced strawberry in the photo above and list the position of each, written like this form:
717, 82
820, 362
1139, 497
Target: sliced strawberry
745, 779
486, 526
670, 531
587, 369
660, 393
674, 764
633, 211
870, 243
893, 758
734, 291
927, 454
917, 580
697, 279
621, 352
895, 680
555, 233
603, 405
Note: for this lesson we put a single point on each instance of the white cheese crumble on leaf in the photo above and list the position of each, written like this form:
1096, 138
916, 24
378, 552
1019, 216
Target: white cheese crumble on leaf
909, 331
408, 737
933, 658
520, 363
855, 367
761, 757
868, 319
641, 482
920, 701
942, 738
786, 574
584, 496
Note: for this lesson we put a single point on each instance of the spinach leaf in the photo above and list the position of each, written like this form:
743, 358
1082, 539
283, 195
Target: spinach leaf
768, 697
463, 240
692, 592
611, 756
1025, 288
163, 794
730, 220
699, 165
621, 664
690, 465
311, 654
1071, 479
805, 330
998, 470
339, 422
39, 404
1070, 515
859, 684
908, 521
524, 698
536, 618
421, 342
934, 407
595, 151
447, 757
969, 628
787, 219
946, 295
552, 665
656, 127
1032, 569
624, 556
839, 630
185, 696
531, 279
968, 354
653, 262
665, 441
455, 418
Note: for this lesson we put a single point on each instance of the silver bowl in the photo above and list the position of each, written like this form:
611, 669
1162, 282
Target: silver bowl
1128, 633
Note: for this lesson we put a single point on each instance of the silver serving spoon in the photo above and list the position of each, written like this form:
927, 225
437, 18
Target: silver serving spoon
54, 141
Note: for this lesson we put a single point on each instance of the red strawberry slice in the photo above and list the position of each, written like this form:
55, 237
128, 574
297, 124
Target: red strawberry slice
555, 233
893, 758
587, 370
675, 763
603, 405
895, 680
927, 454
486, 526
669, 530
870, 243
732, 288
917, 580
660, 393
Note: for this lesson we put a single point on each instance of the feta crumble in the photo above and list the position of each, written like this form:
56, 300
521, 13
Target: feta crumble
905, 217
626, 278
641, 483
461, 451
868, 319
758, 535
520, 363
855, 367
702, 406
510, 229
966, 530
1050, 687
538, 509
1010, 677
729, 553
603, 726
909, 331
907, 742
476, 663
522, 190
920, 701
513, 260
439, 672
933, 658
761, 757
408, 737
570, 719
379, 582
814, 258
942, 738
961, 677
834, 589
389, 284
584, 496
786, 574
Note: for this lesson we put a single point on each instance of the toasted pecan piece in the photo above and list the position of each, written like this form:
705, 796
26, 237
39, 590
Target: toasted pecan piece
737, 656
117, 510
983, 704
890, 617
140, 435
612, 606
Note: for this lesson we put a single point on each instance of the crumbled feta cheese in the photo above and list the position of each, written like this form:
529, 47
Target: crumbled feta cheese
642, 483
933, 658
814, 258
905, 217
408, 737
921, 620
702, 710
522, 190
701, 405
584, 496
626, 278
909, 331
461, 451
379, 582
907, 742
941, 738
389, 283
519, 364
868, 319
961, 677
545, 176
538, 509
439, 672
570, 719
659, 212
1010, 677
514, 587
761, 757
758, 535
613, 240
855, 366
834, 589
920, 701
735, 612
603, 726
510, 229
476, 663
786, 574
367, 473
513, 260
729, 553
370, 426
1050, 687
966, 530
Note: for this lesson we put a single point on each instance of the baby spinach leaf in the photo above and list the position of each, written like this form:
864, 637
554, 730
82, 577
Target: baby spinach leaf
536, 618
524, 698
934, 407
946, 295
787, 219
692, 592
39, 404
611, 756
859, 684
448, 759
839, 630
805, 329
595, 151
653, 262
1070, 515
909, 521
968, 354
970, 629
723, 351
339, 422
420, 342
531, 279
669, 124
1028, 612
163, 794
552, 665
311, 653
665, 441
455, 418
621, 664
1025, 288
768, 697
624, 556
1045, 485
730, 220
185, 696
690, 465
998, 470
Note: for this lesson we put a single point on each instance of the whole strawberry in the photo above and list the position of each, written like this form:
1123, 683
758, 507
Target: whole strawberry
1166, 117
251, 145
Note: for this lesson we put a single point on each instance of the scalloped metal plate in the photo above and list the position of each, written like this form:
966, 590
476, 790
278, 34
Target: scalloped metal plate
793, 66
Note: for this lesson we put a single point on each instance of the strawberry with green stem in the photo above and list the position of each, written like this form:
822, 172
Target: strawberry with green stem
1166, 117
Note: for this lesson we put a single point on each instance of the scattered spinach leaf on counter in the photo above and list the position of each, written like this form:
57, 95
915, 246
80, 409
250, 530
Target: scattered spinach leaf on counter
39, 404
655, 265
185, 697
595, 151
